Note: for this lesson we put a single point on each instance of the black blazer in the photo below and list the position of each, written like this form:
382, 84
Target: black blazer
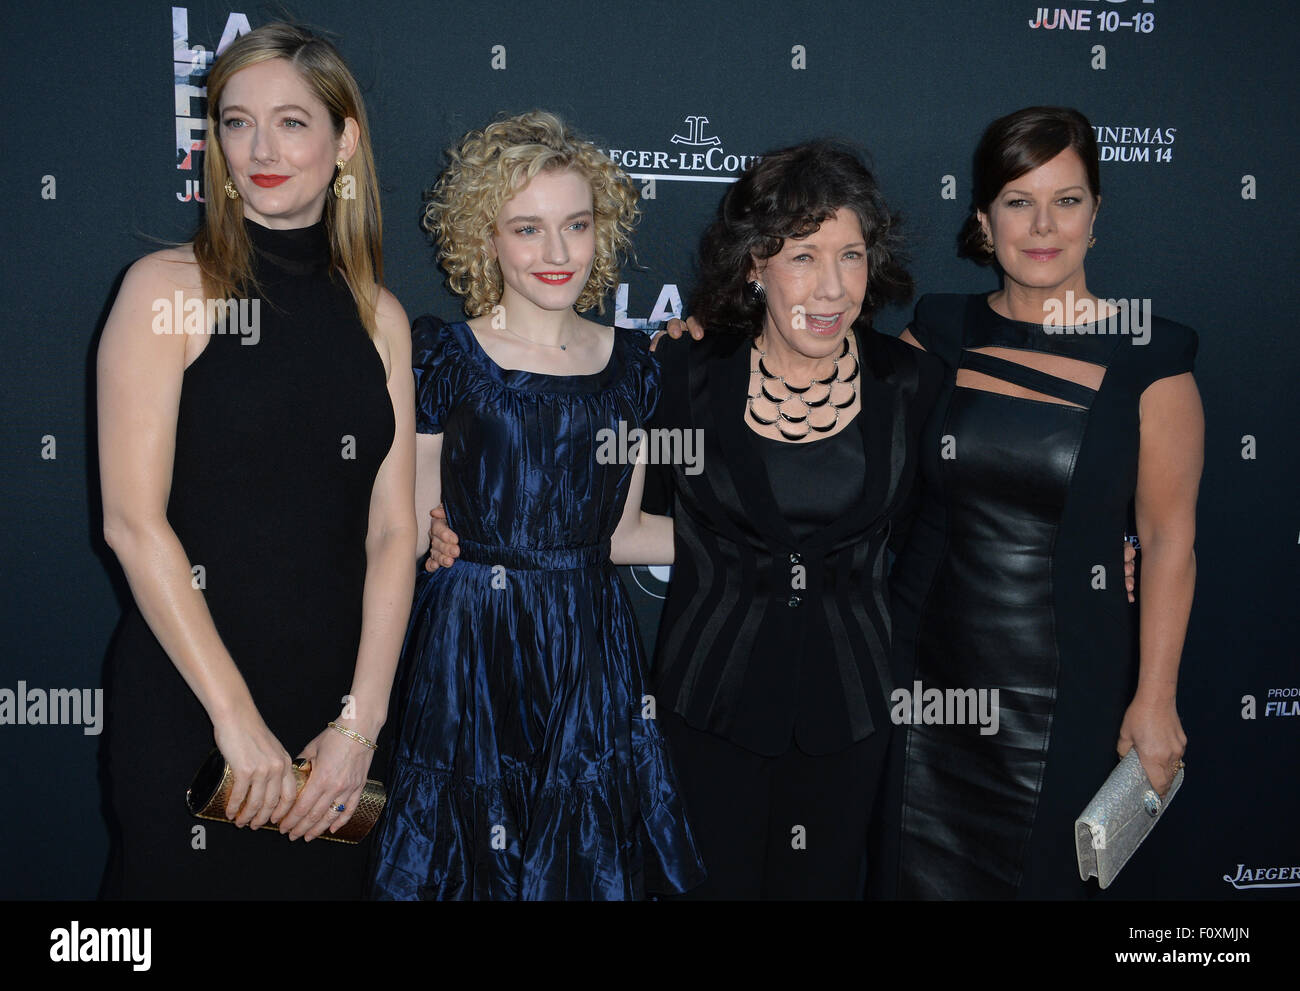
742, 652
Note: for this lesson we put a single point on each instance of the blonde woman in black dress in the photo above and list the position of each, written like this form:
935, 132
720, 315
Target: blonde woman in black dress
219, 452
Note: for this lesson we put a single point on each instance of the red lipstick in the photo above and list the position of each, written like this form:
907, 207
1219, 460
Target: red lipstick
553, 278
267, 181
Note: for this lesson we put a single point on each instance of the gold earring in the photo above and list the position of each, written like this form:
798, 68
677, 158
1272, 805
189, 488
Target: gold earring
231, 191
1091, 241
988, 244
338, 179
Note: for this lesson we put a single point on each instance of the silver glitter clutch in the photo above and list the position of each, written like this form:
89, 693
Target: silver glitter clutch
1118, 819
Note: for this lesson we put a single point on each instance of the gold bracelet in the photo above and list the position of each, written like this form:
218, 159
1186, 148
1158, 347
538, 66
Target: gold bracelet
354, 735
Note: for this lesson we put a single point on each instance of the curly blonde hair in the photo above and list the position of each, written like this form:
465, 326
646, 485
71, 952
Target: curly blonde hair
488, 168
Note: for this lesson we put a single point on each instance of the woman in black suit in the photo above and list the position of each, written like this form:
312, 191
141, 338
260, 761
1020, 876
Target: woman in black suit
771, 673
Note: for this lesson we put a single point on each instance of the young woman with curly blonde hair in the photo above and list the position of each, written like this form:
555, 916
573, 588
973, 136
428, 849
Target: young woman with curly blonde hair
529, 764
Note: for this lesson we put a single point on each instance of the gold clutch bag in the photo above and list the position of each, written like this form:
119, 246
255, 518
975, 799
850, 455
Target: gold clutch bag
208, 795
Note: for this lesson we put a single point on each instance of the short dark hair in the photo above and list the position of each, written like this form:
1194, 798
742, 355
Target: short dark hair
1018, 143
789, 193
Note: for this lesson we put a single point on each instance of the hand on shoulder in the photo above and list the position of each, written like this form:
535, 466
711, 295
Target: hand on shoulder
671, 339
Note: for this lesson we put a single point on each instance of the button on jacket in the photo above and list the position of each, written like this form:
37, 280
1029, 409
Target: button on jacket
766, 639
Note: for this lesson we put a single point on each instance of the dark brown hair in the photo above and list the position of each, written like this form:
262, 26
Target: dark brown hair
1018, 143
789, 193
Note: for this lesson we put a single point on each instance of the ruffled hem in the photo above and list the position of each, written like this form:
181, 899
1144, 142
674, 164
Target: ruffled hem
620, 836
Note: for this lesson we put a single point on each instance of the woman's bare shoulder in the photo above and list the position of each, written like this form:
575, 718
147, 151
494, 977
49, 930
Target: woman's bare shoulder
167, 269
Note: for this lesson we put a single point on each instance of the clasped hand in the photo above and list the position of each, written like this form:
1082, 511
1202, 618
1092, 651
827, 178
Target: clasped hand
265, 789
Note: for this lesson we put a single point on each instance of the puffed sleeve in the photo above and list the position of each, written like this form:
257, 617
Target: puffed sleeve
643, 373
1170, 350
657, 496
433, 359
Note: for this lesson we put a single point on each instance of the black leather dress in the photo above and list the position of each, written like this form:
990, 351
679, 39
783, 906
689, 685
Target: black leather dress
1012, 579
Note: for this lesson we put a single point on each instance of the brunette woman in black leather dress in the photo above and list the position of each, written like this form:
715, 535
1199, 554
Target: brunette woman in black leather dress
1056, 413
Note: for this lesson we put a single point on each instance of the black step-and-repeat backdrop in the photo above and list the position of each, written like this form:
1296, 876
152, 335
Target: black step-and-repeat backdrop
1194, 110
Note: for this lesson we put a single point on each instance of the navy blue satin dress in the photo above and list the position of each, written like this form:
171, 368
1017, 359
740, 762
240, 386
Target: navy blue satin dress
529, 765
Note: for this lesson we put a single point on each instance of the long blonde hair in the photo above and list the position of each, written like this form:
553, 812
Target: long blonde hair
221, 246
